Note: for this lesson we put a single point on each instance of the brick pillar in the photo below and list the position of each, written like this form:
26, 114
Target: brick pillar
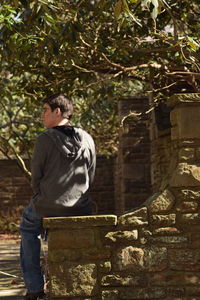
133, 184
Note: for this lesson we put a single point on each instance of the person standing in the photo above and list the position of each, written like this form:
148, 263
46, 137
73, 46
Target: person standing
63, 168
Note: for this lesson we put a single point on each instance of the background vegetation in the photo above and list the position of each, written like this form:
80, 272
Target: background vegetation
94, 51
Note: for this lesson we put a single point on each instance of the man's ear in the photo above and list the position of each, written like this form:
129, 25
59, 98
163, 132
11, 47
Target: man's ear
58, 111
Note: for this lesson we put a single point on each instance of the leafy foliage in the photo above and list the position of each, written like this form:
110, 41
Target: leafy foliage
95, 51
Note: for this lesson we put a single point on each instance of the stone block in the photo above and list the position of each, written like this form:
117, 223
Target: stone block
70, 239
185, 123
73, 280
173, 278
96, 254
185, 175
116, 280
188, 194
80, 222
188, 219
160, 202
166, 231
184, 99
175, 293
105, 267
135, 218
186, 154
110, 295
122, 236
193, 291
155, 258
169, 239
129, 258
187, 206
184, 259
61, 255
144, 293
163, 220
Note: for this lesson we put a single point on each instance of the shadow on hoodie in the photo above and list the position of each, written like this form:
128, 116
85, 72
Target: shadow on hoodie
63, 168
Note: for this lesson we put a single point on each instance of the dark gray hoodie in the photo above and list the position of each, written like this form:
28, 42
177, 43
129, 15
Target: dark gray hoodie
63, 168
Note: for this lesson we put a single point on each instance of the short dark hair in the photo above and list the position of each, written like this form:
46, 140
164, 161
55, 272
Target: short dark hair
59, 100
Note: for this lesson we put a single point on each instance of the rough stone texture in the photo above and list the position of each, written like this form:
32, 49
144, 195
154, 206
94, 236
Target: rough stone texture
80, 280
144, 293
186, 154
137, 218
105, 267
193, 218
110, 295
185, 175
129, 258
166, 231
184, 259
187, 206
175, 278
190, 98
163, 220
188, 194
160, 202
78, 222
122, 236
155, 258
116, 280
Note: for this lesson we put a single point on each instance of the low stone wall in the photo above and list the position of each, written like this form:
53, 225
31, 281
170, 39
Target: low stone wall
150, 253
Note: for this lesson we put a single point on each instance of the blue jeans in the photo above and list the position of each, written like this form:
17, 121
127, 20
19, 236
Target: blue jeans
31, 228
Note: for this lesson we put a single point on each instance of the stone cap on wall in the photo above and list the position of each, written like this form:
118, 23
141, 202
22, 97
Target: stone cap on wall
80, 221
190, 98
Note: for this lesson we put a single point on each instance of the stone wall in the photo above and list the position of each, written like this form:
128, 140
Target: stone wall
150, 253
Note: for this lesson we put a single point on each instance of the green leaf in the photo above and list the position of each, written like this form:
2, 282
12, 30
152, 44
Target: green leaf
118, 9
194, 45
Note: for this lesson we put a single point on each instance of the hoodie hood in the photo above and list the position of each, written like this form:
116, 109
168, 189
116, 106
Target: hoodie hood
68, 139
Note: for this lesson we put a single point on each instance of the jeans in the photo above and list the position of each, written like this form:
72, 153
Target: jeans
31, 228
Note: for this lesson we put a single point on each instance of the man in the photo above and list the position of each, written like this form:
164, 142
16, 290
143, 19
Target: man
63, 168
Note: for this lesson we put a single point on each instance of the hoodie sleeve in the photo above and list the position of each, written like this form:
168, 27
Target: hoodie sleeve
92, 165
38, 162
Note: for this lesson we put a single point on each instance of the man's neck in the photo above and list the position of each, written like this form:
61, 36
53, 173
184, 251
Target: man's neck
64, 122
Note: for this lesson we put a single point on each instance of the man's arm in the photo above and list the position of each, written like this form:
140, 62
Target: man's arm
92, 166
38, 162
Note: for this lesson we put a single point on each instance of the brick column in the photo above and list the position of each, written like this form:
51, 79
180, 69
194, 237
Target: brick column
133, 184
